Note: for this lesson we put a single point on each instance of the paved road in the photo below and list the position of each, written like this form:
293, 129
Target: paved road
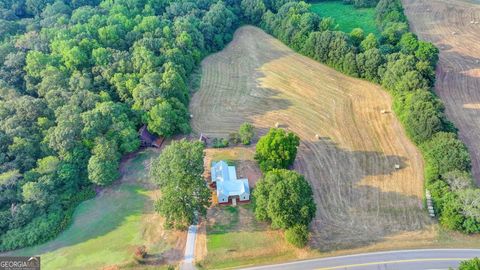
187, 263
422, 259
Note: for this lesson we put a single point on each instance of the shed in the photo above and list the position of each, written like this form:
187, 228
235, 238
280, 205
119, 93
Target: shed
147, 139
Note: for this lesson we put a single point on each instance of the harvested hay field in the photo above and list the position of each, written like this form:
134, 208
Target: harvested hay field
454, 27
361, 197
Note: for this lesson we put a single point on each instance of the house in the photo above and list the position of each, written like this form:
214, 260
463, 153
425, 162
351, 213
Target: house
228, 186
147, 139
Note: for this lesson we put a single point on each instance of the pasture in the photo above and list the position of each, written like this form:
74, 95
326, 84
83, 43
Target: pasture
347, 16
348, 149
107, 229
454, 27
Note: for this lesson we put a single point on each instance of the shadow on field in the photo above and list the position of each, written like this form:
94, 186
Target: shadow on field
96, 218
351, 213
231, 92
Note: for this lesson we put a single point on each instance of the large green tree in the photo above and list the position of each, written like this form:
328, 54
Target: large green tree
179, 173
284, 198
277, 149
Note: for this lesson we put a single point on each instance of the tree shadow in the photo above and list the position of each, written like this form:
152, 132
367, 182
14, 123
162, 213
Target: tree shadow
350, 213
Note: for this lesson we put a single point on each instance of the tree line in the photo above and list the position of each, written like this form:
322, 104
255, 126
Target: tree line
77, 80
405, 66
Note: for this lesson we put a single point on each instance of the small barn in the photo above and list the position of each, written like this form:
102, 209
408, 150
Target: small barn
147, 139
229, 188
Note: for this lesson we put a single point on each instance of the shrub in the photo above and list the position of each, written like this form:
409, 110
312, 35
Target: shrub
297, 235
473, 264
234, 138
219, 143
246, 133
451, 217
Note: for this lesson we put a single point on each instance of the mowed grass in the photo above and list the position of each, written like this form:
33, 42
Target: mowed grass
107, 229
104, 232
235, 238
347, 16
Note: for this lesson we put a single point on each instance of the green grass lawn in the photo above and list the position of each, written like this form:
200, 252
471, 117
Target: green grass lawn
347, 16
236, 239
104, 232
105, 229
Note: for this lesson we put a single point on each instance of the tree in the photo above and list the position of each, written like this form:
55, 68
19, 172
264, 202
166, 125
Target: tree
357, 36
473, 264
168, 117
427, 52
253, 10
451, 217
470, 203
277, 149
285, 198
458, 180
297, 235
370, 42
246, 133
423, 118
179, 173
408, 43
103, 165
447, 152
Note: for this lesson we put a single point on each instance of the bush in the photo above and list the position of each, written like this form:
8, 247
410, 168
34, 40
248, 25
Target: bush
40, 229
246, 133
219, 143
473, 264
234, 138
276, 150
297, 235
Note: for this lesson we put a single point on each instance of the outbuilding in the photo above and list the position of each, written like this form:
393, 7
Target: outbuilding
147, 139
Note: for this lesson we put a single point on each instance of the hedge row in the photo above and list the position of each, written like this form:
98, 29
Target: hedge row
403, 65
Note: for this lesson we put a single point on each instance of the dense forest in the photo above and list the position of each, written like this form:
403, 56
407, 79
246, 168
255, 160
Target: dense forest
78, 78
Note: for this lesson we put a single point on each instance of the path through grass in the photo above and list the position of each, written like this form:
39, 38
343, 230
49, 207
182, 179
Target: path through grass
347, 16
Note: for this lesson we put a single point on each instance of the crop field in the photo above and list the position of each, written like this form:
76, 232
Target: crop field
349, 149
107, 229
347, 16
454, 27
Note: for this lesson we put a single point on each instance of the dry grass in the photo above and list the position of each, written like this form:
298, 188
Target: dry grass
448, 24
361, 198
235, 238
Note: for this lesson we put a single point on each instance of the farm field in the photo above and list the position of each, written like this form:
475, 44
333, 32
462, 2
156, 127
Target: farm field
361, 198
106, 229
454, 27
347, 16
